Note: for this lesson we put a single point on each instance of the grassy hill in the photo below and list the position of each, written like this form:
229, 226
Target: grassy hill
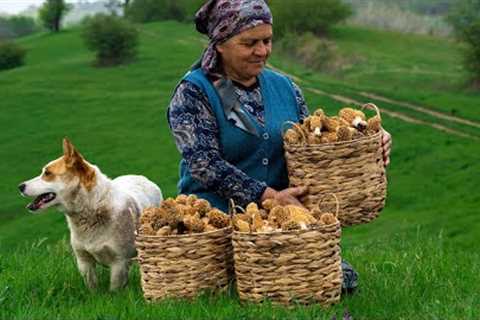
417, 261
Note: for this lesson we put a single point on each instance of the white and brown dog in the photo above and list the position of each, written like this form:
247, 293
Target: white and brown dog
100, 212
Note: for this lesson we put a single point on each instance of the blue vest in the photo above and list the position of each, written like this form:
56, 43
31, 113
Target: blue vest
260, 157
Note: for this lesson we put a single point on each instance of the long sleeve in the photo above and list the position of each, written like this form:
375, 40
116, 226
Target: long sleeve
195, 129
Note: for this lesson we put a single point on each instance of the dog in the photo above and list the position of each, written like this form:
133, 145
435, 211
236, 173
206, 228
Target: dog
101, 213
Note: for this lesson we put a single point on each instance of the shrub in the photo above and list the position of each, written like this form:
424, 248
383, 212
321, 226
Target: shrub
11, 55
113, 39
465, 20
308, 15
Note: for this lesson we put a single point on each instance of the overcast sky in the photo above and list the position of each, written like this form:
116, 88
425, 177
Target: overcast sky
15, 6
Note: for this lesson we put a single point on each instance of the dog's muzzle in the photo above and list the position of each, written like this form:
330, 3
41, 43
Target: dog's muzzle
41, 200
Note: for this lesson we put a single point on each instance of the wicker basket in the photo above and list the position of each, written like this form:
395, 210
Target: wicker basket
182, 266
290, 266
353, 170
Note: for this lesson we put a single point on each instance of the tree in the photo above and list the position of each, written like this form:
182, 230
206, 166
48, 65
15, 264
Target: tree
52, 12
113, 7
465, 19
156, 10
308, 16
125, 6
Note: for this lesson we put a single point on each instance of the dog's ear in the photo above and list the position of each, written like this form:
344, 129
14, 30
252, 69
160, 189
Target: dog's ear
76, 163
70, 154
67, 148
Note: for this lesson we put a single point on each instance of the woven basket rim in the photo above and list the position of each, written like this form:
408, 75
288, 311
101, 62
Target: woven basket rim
287, 231
178, 236
334, 144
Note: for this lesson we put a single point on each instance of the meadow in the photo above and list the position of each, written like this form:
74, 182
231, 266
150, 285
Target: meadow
418, 260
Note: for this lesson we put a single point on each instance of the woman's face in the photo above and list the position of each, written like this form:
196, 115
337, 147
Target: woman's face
245, 55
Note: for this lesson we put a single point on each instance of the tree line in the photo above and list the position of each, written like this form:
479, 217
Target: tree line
114, 36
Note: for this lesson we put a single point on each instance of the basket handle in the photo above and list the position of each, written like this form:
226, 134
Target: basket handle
232, 208
296, 126
373, 107
336, 202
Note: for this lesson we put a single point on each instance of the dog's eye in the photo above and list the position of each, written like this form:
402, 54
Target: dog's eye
47, 173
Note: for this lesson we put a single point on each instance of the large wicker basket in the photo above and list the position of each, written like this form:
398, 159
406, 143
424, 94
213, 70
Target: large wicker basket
184, 265
353, 170
289, 266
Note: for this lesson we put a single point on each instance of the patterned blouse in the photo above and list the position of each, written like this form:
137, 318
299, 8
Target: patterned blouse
193, 124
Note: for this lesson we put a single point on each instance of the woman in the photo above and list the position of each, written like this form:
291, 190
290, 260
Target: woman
227, 114
232, 147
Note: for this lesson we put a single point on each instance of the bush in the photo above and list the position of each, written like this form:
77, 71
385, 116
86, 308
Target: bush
113, 39
11, 55
465, 20
301, 16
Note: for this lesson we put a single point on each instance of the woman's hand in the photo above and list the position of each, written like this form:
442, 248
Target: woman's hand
386, 147
285, 196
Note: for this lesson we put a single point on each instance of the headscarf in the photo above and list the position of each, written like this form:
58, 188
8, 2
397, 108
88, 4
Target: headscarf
223, 19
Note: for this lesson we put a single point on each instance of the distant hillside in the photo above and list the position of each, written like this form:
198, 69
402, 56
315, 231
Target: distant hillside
80, 10
409, 16
31, 11
424, 7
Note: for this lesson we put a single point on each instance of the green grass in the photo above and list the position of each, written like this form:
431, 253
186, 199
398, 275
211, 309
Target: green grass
418, 260
409, 277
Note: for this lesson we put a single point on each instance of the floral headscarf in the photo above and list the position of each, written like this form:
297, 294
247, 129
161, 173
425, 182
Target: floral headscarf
223, 19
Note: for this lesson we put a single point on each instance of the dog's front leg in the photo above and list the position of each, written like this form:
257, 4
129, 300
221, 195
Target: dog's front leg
86, 265
119, 274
